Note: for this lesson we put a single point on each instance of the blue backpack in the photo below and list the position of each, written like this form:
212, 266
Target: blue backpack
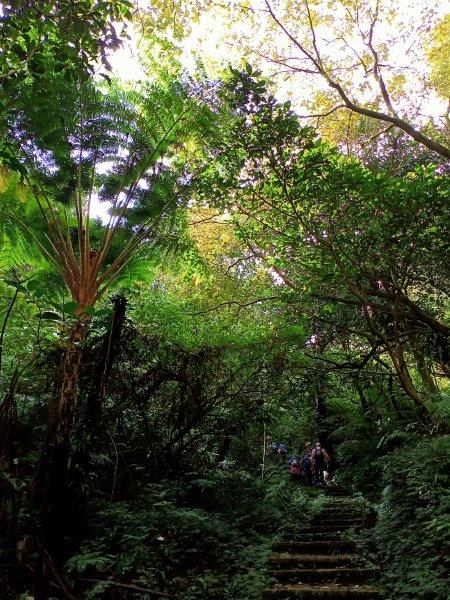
306, 463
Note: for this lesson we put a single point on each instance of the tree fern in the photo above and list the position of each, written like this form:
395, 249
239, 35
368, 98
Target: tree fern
114, 144
87, 143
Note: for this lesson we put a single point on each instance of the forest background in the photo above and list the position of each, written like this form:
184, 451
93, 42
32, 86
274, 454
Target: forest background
272, 258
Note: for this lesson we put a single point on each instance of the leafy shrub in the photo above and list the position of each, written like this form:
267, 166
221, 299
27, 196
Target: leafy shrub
162, 542
413, 526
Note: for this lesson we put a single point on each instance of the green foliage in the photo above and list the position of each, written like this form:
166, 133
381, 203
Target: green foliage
413, 526
362, 449
337, 273
302, 505
441, 407
71, 37
352, 245
163, 541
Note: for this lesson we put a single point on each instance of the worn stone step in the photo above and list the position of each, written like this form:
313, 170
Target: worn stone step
330, 490
307, 592
334, 527
336, 520
318, 562
333, 500
309, 536
346, 517
341, 512
338, 498
339, 504
337, 575
286, 559
328, 546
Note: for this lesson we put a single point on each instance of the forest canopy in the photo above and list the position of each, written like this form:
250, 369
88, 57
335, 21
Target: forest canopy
245, 238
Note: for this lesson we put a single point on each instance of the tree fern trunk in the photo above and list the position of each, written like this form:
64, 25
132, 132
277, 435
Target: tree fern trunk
88, 427
59, 525
67, 396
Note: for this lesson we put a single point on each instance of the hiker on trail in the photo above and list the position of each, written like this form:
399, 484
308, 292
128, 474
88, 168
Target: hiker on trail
282, 449
294, 468
273, 448
318, 457
306, 468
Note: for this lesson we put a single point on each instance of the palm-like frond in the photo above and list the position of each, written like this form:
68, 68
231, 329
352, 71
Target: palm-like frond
120, 147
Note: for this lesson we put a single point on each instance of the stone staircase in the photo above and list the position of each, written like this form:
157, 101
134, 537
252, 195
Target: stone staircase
321, 562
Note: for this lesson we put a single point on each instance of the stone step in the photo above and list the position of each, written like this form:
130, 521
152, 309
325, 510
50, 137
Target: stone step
336, 520
309, 536
337, 510
330, 525
332, 500
337, 496
336, 516
337, 575
330, 490
317, 561
330, 546
342, 503
307, 592
333, 527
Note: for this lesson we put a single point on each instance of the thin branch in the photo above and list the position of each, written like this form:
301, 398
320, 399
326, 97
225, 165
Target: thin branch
396, 121
21, 65
378, 115
8, 312
377, 134
128, 586
230, 303
376, 66
51, 566
325, 114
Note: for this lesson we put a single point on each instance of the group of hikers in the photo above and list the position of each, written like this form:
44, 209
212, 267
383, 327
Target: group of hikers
313, 465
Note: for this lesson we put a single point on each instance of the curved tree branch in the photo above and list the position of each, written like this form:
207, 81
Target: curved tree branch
393, 118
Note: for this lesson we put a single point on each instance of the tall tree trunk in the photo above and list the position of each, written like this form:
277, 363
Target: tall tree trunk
70, 372
393, 401
225, 444
398, 360
8, 504
58, 526
423, 368
89, 417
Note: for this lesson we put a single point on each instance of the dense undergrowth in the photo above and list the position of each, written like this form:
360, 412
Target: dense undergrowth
413, 526
406, 475
208, 534
207, 537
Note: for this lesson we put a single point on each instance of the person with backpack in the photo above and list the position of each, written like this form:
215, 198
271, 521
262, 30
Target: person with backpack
318, 458
281, 449
294, 468
306, 468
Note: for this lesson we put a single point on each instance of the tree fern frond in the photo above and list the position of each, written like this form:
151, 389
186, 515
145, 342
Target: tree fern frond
119, 146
